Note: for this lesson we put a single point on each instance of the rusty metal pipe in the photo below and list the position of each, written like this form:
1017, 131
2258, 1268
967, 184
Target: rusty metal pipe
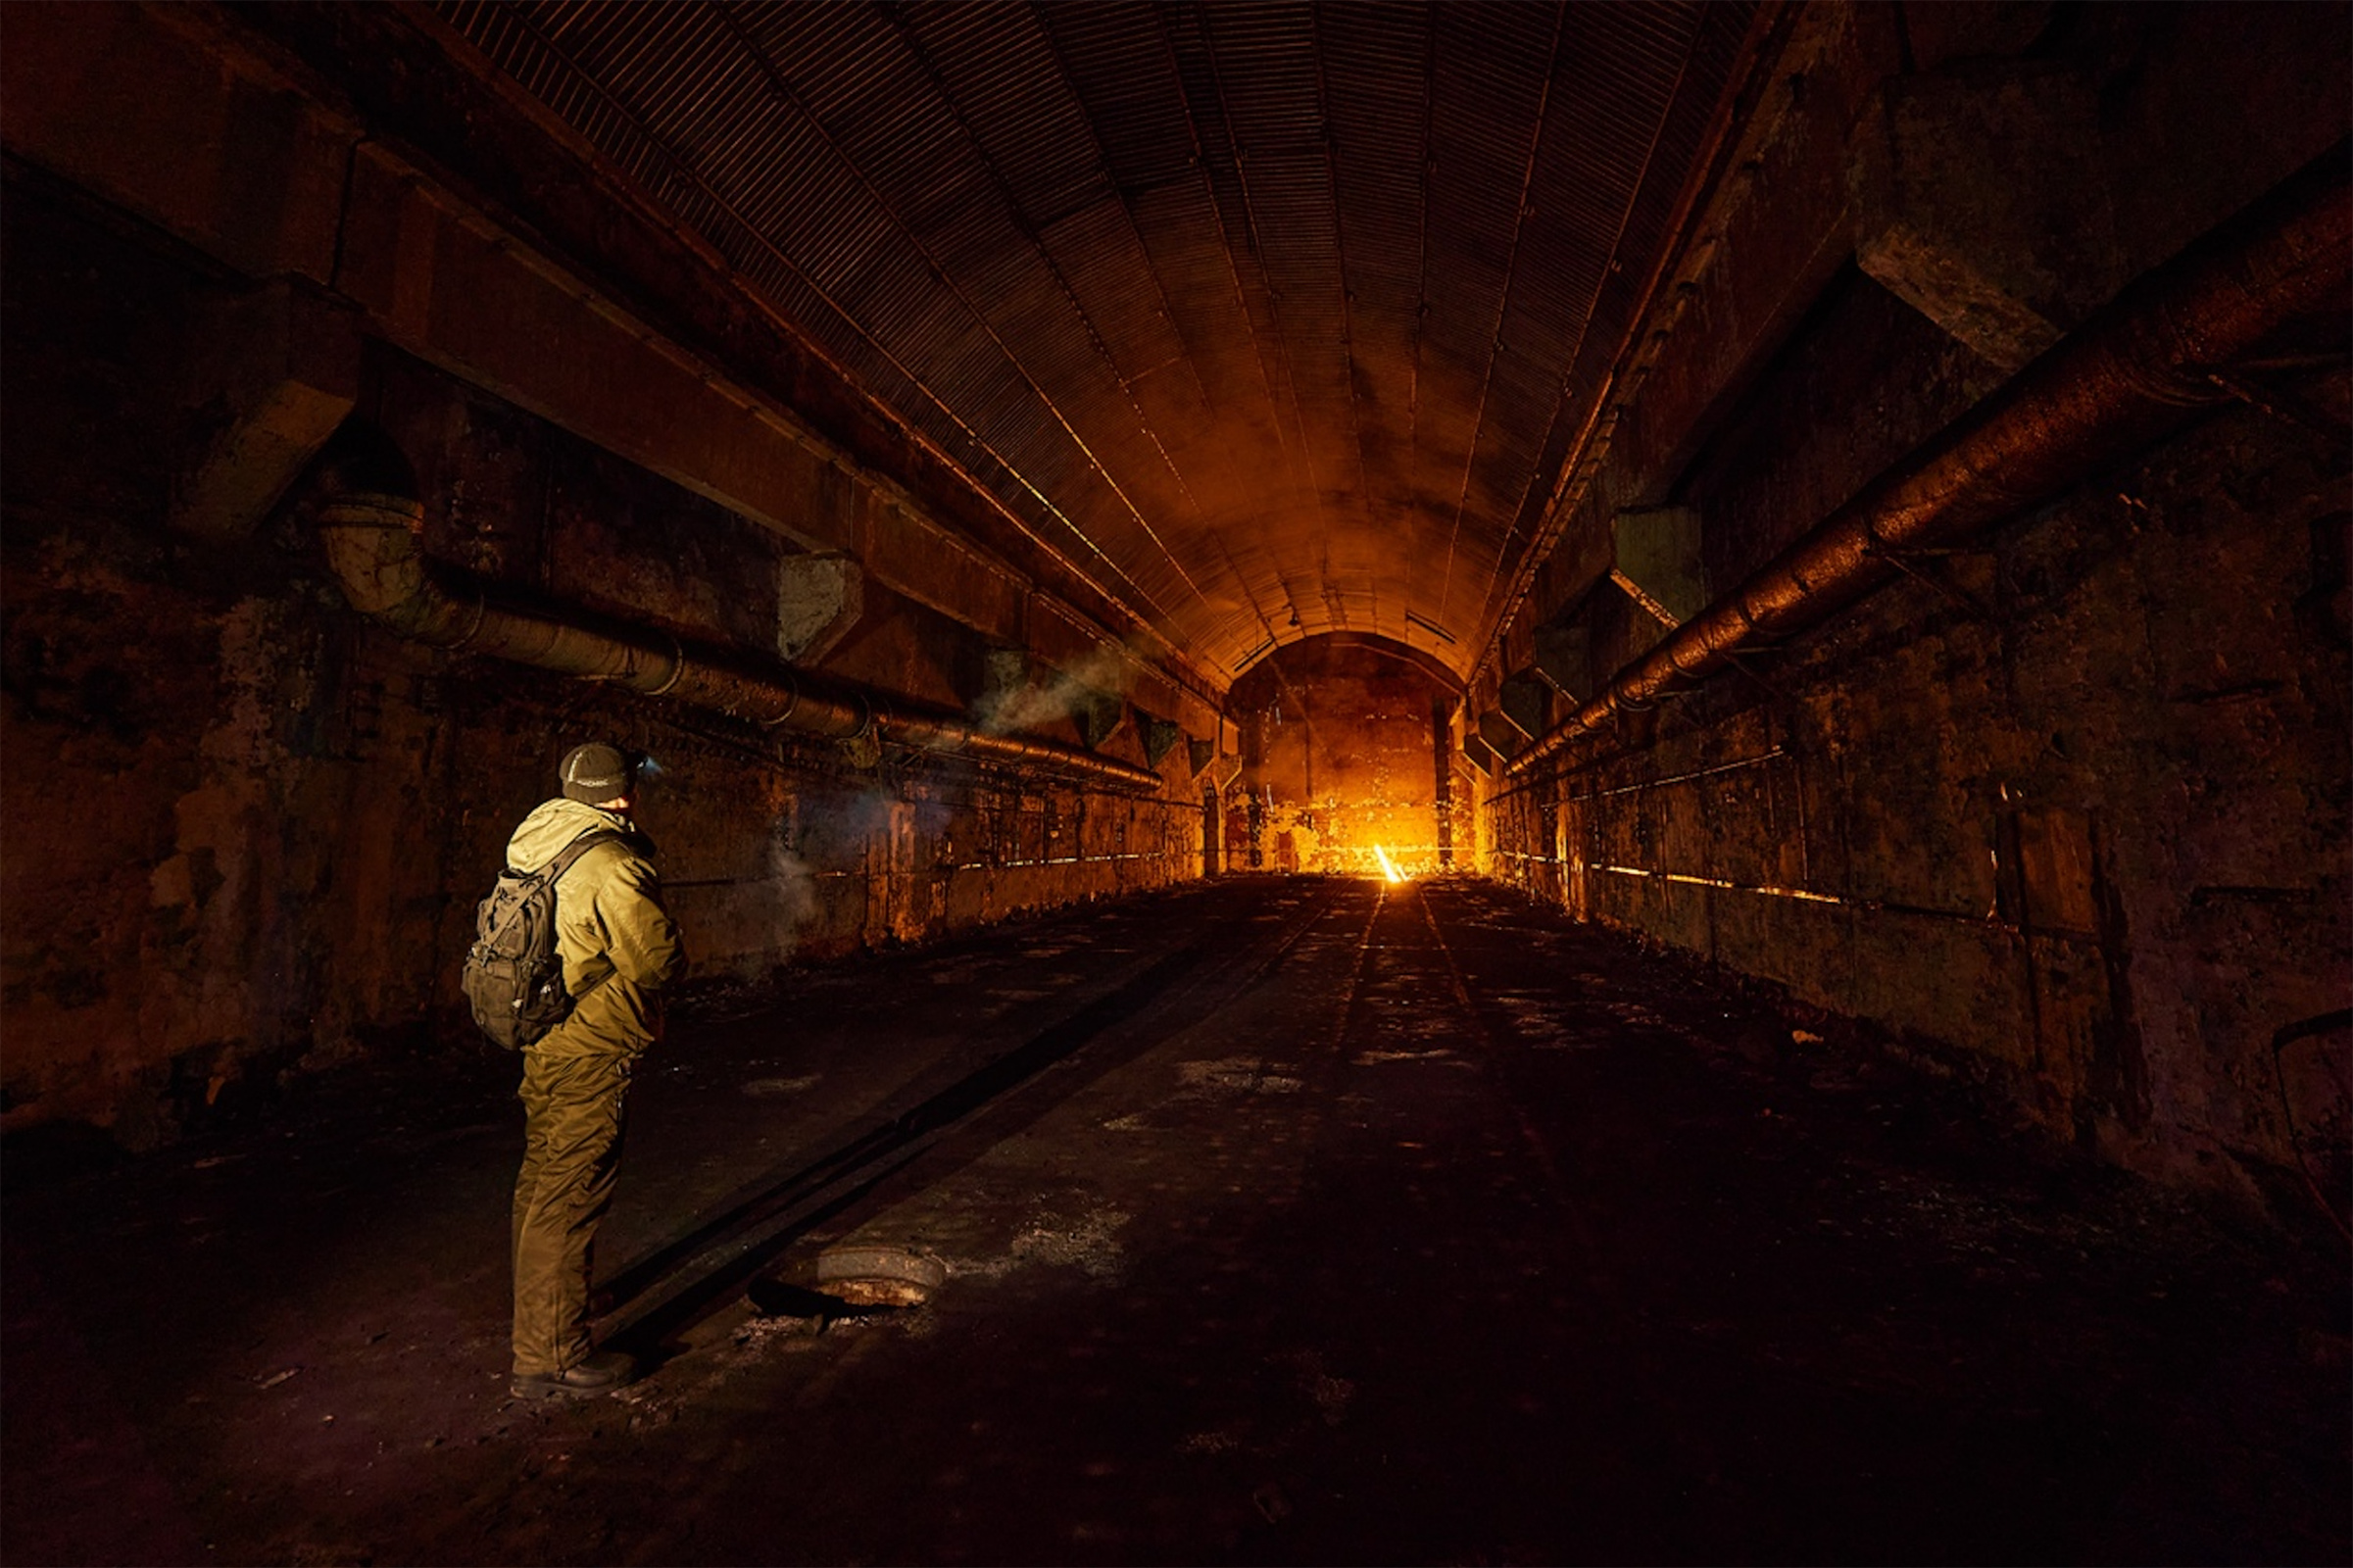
2136, 371
373, 545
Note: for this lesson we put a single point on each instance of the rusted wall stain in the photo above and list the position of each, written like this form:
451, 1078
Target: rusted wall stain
247, 829
2078, 823
2067, 812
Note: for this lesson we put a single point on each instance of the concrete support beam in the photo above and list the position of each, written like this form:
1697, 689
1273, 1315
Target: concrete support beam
1526, 703
1656, 561
818, 598
1200, 754
1008, 669
273, 372
152, 107
1777, 233
1159, 736
1480, 755
1003, 688
1020, 692
1980, 200
1502, 735
1096, 712
1564, 656
179, 114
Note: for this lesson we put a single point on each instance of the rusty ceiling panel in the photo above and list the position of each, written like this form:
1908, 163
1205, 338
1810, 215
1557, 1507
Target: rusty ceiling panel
1273, 317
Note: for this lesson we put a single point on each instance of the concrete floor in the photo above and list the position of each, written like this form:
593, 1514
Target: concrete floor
1285, 1220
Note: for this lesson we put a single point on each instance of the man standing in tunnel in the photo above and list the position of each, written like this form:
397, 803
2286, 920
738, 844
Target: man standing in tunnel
619, 950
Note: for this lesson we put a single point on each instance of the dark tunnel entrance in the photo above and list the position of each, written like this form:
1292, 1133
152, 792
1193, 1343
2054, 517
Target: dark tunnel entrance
1338, 759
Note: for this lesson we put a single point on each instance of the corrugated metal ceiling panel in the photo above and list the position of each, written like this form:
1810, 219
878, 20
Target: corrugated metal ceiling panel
1249, 308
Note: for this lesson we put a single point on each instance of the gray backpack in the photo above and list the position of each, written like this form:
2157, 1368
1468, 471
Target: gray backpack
513, 976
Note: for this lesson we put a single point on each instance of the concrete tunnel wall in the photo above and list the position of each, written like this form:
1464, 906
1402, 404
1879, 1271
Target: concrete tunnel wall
249, 826
2068, 819
2067, 808
1345, 755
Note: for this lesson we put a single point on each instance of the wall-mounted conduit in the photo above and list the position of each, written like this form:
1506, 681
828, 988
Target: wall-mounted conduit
372, 523
2127, 378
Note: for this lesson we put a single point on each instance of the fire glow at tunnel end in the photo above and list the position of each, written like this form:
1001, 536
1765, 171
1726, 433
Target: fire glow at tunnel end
1389, 867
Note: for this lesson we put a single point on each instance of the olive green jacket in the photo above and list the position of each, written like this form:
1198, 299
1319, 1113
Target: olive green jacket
619, 946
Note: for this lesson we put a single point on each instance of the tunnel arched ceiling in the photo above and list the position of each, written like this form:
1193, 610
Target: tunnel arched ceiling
1307, 658
1275, 320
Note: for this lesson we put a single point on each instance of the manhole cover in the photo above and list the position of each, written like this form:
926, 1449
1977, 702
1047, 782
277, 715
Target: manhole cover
866, 1275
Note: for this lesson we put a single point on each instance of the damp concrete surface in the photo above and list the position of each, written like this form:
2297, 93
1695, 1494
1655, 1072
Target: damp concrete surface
1271, 1220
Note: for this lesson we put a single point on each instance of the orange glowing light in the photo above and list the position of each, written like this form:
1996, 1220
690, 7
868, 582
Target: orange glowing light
1389, 867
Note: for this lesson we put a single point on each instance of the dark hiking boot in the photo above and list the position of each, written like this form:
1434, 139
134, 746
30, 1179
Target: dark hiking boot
599, 1374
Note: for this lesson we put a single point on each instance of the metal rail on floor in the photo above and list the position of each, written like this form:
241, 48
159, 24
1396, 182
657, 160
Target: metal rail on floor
660, 1294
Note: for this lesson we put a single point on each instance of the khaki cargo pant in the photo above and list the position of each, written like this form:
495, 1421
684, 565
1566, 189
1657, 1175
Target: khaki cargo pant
573, 1110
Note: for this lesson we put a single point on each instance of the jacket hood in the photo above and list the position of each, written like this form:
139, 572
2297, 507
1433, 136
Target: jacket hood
553, 824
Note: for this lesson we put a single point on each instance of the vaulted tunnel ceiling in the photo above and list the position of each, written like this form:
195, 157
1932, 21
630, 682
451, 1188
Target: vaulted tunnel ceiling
1275, 320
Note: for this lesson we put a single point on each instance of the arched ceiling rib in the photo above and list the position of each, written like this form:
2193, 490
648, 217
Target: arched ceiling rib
1273, 317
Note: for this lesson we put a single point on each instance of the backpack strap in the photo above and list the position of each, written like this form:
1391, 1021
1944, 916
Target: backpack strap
554, 870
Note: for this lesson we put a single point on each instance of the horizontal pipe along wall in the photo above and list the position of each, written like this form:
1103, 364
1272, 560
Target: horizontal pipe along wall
265, 819
2068, 808
2090, 844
